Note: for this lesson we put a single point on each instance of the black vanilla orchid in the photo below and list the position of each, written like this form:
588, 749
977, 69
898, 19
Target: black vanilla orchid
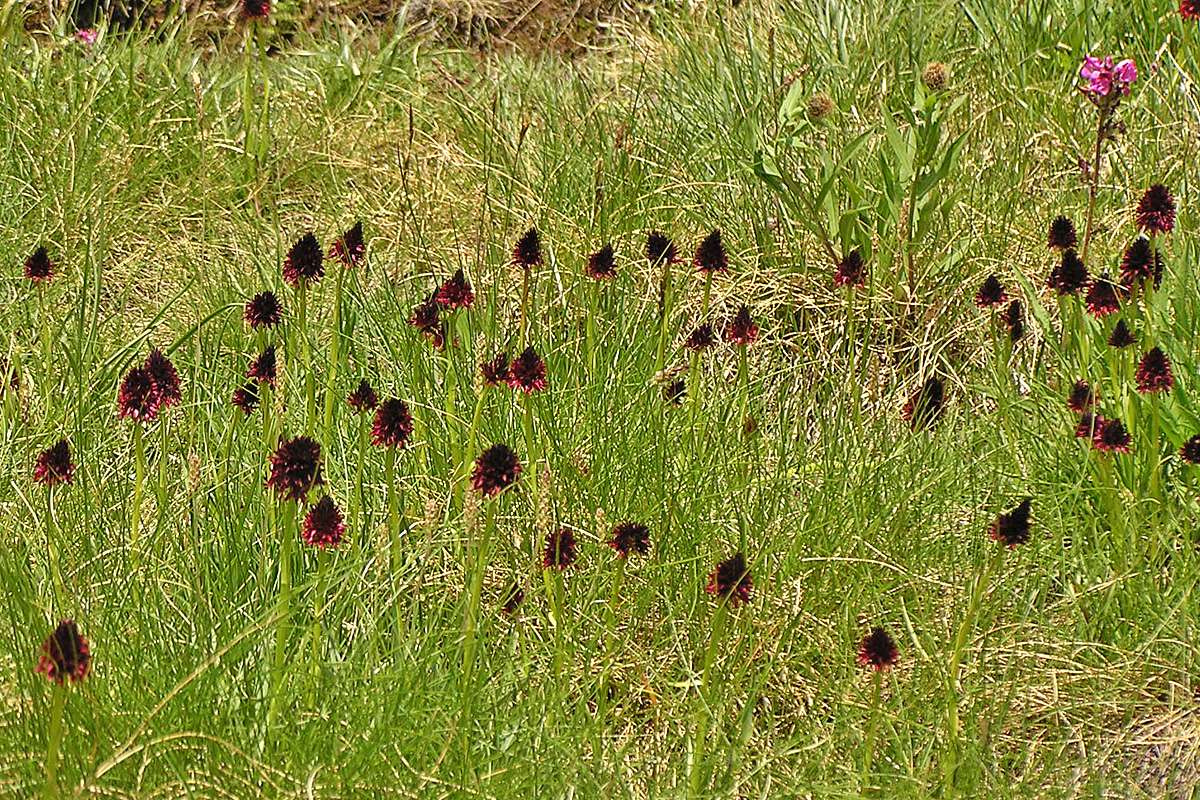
1012, 529
164, 377
295, 468
1154, 372
137, 398
350, 248
731, 580
38, 267
1062, 234
1156, 210
710, 255
851, 270
496, 469
54, 465
527, 252
263, 311
456, 292
991, 293
363, 398
305, 261
878, 651
65, 654
602, 264
660, 248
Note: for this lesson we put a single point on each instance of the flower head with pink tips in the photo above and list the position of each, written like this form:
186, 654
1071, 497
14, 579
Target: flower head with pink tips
1103, 76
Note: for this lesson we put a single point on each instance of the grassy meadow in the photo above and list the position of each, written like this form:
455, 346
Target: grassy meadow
169, 172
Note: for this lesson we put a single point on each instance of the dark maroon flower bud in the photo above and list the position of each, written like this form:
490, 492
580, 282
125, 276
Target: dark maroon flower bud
851, 270
742, 329
350, 248
527, 252
511, 600
674, 391
1137, 264
527, 372
1082, 398
702, 337
926, 405
164, 377
426, 316
256, 9
1070, 276
456, 292
629, 538
602, 264
323, 524
1111, 436
246, 398
65, 654
1121, 336
1154, 372
54, 465
877, 651
305, 261
393, 424
660, 248
560, 550
1089, 425
137, 399
710, 255
1102, 298
363, 398
263, 310
1012, 529
495, 371
731, 580
1156, 210
1062, 234
1189, 10
1190, 452
38, 267
264, 369
1014, 321
991, 294
496, 469
295, 468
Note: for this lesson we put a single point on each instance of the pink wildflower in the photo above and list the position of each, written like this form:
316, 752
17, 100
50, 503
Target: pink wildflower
1103, 76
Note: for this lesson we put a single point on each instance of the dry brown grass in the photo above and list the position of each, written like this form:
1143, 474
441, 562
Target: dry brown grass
563, 26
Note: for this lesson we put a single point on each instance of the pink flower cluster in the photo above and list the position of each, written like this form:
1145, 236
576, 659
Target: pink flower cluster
1103, 76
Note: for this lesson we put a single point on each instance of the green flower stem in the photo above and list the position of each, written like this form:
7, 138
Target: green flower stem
47, 345
610, 632
318, 625
58, 701
954, 673
335, 339
161, 493
284, 607
310, 389
531, 449
590, 340
477, 567
526, 280
393, 503
664, 315
52, 552
704, 702
872, 730
139, 478
360, 508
